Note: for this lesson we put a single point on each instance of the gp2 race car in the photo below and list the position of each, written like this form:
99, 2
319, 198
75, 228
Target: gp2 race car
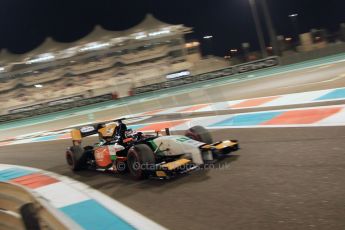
143, 155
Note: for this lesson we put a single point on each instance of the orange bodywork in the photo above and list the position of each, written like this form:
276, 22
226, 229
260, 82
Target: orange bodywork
102, 157
127, 140
107, 131
76, 136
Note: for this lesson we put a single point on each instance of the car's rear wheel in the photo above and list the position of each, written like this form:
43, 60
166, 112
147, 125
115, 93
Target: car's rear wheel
199, 133
121, 167
76, 158
140, 159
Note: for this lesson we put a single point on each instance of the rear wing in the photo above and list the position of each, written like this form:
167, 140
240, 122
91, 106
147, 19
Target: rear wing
104, 129
85, 131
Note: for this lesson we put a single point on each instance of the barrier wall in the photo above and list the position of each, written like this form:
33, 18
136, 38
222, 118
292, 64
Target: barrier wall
77, 101
242, 68
35, 110
54, 106
331, 49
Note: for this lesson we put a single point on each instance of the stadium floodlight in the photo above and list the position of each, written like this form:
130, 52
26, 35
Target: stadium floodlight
117, 40
41, 58
192, 44
94, 46
68, 52
38, 86
161, 32
196, 44
141, 36
293, 15
188, 45
208, 37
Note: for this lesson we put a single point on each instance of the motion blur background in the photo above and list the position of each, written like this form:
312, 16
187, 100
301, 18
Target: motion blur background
55, 53
269, 73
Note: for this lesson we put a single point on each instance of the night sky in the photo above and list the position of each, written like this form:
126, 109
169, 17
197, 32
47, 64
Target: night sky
24, 24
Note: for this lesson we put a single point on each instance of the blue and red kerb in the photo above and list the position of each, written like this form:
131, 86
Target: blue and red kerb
292, 117
284, 117
89, 214
335, 94
306, 116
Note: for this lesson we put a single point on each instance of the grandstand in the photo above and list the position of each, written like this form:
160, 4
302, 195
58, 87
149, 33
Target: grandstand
100, 63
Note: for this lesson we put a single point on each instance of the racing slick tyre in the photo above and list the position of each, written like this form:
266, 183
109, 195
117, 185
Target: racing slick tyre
75, 158
139, 158
199, 133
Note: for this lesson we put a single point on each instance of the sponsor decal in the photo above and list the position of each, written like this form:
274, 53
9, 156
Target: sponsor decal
64, 100
178, 74
25, 109
87, 129
46, 104
182, 139
52, 106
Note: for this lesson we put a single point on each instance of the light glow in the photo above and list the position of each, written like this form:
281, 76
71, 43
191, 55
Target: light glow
192, 44
94, 46
140, 35
41, 58
208, 37
196, 43
179, 74
161, 32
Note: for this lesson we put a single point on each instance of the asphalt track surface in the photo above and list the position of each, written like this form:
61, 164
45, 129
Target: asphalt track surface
281, 178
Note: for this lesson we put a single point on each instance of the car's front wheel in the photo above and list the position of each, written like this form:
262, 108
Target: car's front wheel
140, 159
199, 133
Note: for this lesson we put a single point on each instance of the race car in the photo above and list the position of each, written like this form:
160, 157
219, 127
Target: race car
144, 155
